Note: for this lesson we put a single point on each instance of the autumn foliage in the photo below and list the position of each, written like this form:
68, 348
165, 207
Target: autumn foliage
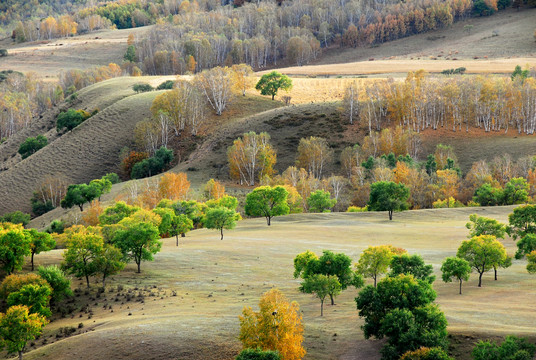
277, 326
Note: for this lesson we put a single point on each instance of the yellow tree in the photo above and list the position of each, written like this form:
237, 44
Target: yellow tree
277, 326
251, 158
448, 184
314, 155
91, 216
173, 186
242, 77
213, 190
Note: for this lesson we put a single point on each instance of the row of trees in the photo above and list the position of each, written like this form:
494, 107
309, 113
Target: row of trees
458, 104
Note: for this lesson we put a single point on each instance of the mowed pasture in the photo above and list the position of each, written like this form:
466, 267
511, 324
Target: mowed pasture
213, 280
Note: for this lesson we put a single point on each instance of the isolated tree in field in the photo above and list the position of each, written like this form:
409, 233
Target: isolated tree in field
40, 241
79, 194
388, 196
36, 297
320, 201
268, 202
137, 240
55, 277
455, 268
15, 244
109, 262
217, 85
276, 326
83, 247
374, 261
314, 155
258, 354
339, 265
130, 55
251, 157
480, 225
411, 265
513, 348
18, 326
522, 221
220, 218
401, 309
425, 353
350, 102
482, 253
322, 286
269, 84
31, 145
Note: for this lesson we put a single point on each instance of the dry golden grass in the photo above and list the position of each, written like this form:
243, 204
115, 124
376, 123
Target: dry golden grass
215, 279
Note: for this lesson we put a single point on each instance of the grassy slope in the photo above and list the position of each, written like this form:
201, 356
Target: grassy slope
215, 279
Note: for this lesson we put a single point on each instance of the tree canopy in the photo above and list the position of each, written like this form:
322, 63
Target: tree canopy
269, 84
388, 196
268, 202
455, 268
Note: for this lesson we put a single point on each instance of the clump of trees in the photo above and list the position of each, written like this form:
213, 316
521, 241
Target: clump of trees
31, 145
71, 118
80, 194
153, 165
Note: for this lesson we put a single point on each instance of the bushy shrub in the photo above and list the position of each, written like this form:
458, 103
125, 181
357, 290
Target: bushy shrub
55, 277
71, 119
153, 165
166, 85
142, 88
31, 145
16, 217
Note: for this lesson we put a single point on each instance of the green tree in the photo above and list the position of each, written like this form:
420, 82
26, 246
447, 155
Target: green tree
480, 225
109, 262
142, 88
192, 209
486, 195
16, 217
268, 202
18, 326
71, 119
258, 354
522, 221
220, 218
482, 253
374, 261
117, 212
15, 282
40, 241
15, 244
79, 194
55, 277
388, 196
321, 285
137, 241
172, 224
516, 191
35, 297
512, 348
102, 186
518, 72
31, 145
130, 54
526, 245
531, 262
320, 201
411, 265
270, 83
401, 308
455, 268
83, 247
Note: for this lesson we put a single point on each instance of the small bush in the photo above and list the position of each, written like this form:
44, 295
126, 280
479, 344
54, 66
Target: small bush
32, 145
112, 177
166, 85
357, 209
56, 226
61, 285
16, 217
258, 354
71, 118
3, 52
142, 88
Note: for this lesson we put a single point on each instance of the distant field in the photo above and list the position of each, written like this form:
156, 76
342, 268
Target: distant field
215, 279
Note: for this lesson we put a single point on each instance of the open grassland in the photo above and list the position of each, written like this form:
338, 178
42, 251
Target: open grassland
49, 57
214, 280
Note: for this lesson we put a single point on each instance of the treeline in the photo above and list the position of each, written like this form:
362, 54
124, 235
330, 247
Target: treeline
265, 33
458, 103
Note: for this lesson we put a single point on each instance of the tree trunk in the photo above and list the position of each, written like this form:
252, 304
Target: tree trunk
103, 281
374, 281
322, 307
20, 354
461, 286
495, 269
87, 281
32, 261
177, 236
332, 300
221, 230
390, 214
273, 95
480, 279
139, 263
268, 220
81, 207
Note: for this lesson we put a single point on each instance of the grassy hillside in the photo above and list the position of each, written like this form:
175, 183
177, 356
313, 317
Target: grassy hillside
213, 280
